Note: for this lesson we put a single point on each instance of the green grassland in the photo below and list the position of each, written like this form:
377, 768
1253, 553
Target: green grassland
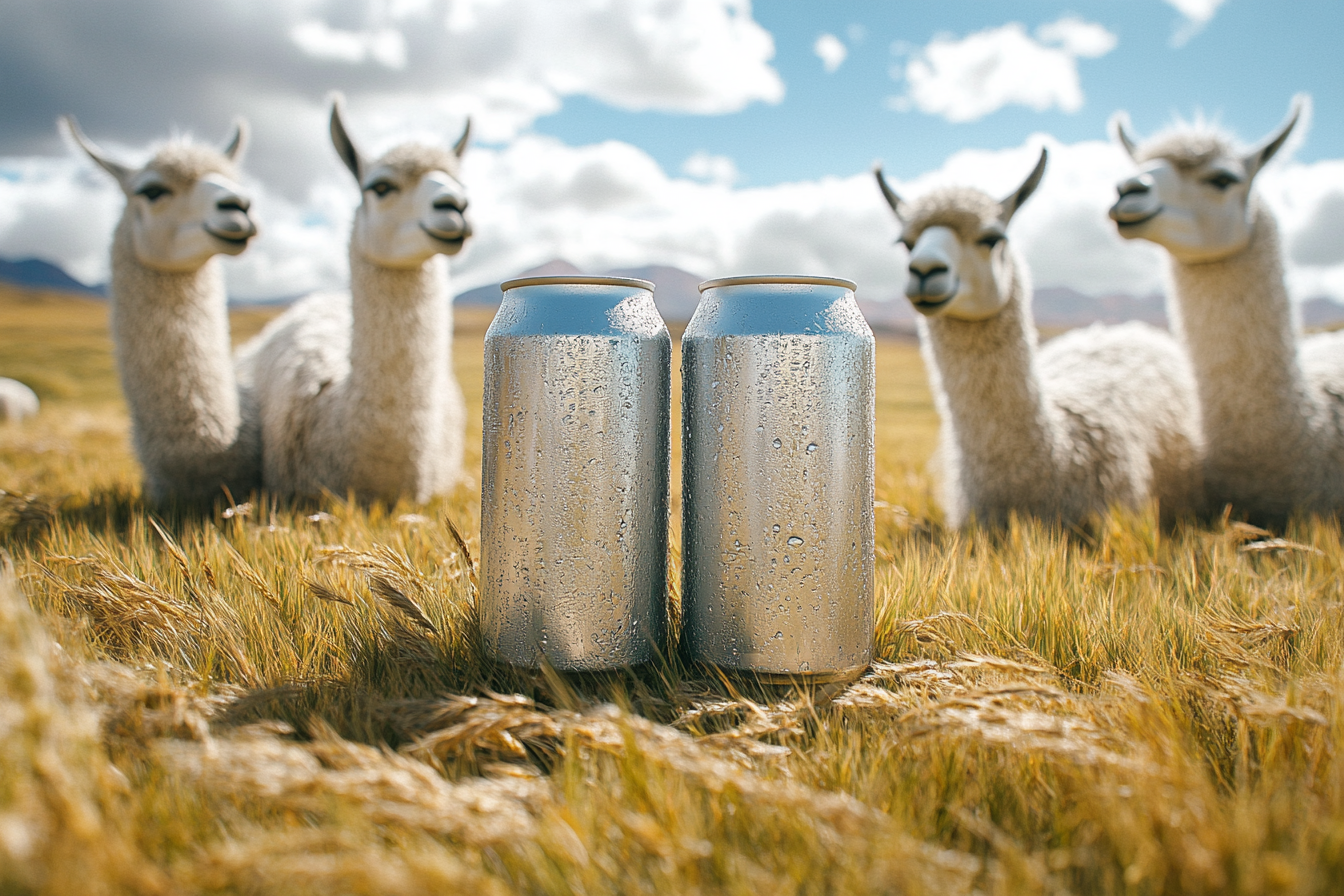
278, 698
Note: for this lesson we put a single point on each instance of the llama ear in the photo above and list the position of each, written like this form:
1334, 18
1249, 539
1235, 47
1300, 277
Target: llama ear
898, 205
1258, 157
461, 145
1119, 126
237, 145
345, 147
1009, 206
121, 172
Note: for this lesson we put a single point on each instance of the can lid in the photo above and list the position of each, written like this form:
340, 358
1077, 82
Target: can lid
780, 278
576, 281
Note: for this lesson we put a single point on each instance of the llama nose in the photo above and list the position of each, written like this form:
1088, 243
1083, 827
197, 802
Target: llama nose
447, 201
926, 266
1135, 186
234, 204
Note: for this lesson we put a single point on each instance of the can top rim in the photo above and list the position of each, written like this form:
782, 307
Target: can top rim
576, 280
779, 278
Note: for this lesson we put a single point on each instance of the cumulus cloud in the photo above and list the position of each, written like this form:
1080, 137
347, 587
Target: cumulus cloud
1077, 37
1309, 201
130, 70
706, 167
831, 51
965, 79
319, 40
611, 205
1197, 13
60, 210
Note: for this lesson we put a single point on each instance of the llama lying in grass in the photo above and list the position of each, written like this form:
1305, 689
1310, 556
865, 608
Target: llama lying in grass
357, 391
17, 401
1273, 405
193, 430
1101, 416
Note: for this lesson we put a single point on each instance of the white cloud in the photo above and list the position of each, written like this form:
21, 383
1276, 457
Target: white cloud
1086, 39
965, 79
610, 205
386, 46
714, 169
60, 210
505, 62
701, 56
1198, 13
831, 51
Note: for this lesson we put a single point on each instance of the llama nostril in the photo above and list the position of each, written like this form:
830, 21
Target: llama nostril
450, 202
1134, 187
923, 268
233, 204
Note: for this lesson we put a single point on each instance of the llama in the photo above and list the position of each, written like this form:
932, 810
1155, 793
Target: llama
1272, 404
1097, 417
17, 401
356, 391
192, 426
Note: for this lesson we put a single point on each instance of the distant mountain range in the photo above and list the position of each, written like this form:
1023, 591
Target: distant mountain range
33, 273
676, 293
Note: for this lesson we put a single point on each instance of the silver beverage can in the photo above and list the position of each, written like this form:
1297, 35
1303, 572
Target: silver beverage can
574, 474
777, 479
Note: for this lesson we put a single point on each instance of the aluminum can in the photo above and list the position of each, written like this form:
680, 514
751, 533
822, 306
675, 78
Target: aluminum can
574, 477
777, 479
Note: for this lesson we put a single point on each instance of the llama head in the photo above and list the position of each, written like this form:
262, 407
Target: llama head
1192, 193
413, 204
960, 266
184, 205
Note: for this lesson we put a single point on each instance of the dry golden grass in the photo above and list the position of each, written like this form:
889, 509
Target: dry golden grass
291, 699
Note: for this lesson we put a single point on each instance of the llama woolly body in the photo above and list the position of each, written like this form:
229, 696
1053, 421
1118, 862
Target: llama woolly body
356, 389
17, 401
1097, 417
193, 429
1272, 403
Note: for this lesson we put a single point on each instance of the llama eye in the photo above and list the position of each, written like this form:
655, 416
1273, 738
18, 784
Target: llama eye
1221, 180
382, 187
990, 240
153, 192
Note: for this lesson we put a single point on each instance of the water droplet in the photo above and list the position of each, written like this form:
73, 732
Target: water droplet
775, 527
811, 446
794, 541
777, 443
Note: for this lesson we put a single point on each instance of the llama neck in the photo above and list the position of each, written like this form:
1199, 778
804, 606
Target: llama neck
1239, 328
171, 337
400, 363
993, 402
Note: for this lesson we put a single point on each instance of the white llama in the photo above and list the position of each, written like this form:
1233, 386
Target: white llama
17, 401
1273, 405
192, 428
1100, 416
356, 390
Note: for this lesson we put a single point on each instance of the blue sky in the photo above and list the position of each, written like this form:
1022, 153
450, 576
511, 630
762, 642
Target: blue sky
1241, 68
707, 134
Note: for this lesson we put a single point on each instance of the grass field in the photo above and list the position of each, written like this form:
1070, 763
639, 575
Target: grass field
290, 699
